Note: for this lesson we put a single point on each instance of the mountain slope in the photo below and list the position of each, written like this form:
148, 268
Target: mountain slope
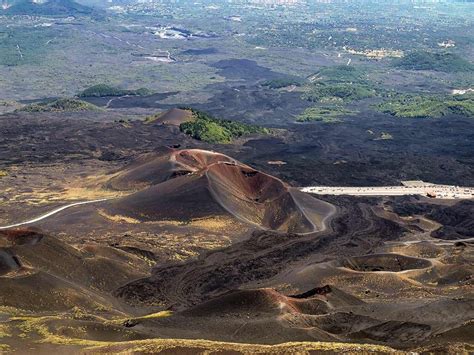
190, 184
50, 8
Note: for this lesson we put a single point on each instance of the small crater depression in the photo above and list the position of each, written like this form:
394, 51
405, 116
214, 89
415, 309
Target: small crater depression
384, 262
8, 262
18, 237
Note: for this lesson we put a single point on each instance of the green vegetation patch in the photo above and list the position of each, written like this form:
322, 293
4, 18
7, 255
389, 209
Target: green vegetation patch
4, 347
283, 82
39, 326
5, 331
212, 130
102, 90
60, 105
338, 92
428, 106
445, 62
60, 8
25, 46
324, 114
340, 74
138, 320
338, 84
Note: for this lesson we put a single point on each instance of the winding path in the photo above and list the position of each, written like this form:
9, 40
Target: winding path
37, 219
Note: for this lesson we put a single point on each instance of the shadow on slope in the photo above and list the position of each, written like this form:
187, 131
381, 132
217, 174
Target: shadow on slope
189, 184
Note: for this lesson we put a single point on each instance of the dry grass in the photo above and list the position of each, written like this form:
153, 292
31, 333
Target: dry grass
72, 194
118, 218
162, 314
65, 188
12, 311
45, 196
38, 326
206, 346
212, 223
4, 348
5, 331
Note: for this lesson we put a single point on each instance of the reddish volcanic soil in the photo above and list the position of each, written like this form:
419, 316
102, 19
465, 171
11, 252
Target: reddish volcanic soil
232, 254
174, 117
189, 184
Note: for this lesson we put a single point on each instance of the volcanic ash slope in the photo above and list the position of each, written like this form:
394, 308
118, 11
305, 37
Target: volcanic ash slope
190, 184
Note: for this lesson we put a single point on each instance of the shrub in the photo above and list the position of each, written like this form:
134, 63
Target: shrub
324, 114
338, 92
102, 90
212, 130
428, 106
445, 62
60, 105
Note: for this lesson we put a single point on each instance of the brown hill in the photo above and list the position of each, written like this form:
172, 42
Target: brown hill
267, 316
173, 117
152, 169
39, 272
188, 184
320, 300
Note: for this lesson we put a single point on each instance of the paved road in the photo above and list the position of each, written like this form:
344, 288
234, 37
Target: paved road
37, 219
433, 190
439, 191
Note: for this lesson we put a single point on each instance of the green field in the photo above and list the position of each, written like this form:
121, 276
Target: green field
330, 114
102, 90
428, 106
213, 130
60, 105
437, 61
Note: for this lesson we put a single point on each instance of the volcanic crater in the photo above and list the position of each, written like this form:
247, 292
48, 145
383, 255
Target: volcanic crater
192, 183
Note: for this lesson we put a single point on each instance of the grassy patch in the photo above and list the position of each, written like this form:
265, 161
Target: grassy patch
4, 347
4, 331
212, 130
137, 320
38, 325
344, 92
9, 104
51, 8
102, 90
25, 46
445, 62
428, 106
3, 173
338, 84
282, 82
118, 218
161, 314
324, 114
152, 118
339, 74
60, 105
208, 346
